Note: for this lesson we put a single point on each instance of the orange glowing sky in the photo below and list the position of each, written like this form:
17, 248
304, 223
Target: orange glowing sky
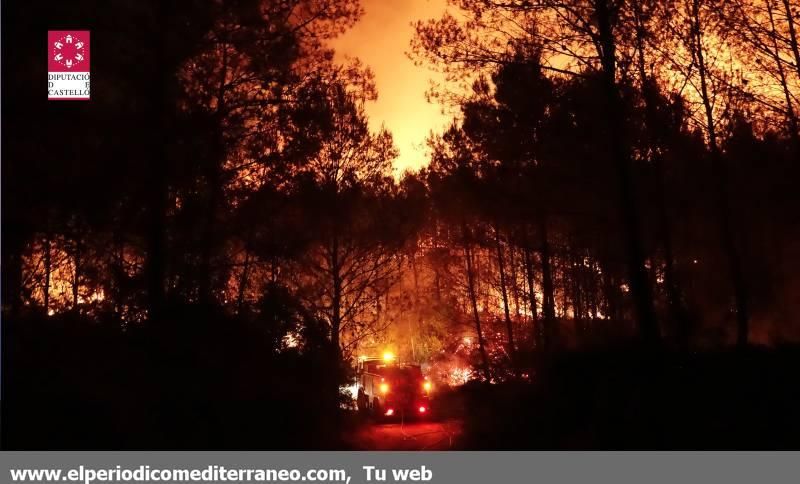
381, 39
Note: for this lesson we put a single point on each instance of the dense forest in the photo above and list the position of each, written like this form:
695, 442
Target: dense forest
215, 236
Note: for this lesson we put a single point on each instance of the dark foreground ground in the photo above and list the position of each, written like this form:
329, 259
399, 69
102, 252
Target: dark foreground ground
443, 434
69, 385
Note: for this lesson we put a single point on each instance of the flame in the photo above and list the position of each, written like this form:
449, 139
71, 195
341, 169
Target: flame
460, 376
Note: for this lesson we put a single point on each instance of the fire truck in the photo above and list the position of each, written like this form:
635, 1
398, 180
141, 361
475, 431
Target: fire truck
388, 389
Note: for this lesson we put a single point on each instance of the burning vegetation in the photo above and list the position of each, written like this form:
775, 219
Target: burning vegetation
616, 174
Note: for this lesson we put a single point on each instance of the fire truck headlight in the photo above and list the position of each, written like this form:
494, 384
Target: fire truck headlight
384, 388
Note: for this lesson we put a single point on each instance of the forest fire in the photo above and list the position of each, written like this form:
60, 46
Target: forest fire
607, 220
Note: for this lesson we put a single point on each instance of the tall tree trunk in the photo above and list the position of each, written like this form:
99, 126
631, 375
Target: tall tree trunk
529, 279
577, 297
514, 281
155, 263
336, 303
209, 248
473, 298
215, 189
243, 282
76, 276
504, 293
119, 273
722, 187
548, 291
417, 309
649, 91
48, 266
610, 290
640, 286
593, 294
335, 355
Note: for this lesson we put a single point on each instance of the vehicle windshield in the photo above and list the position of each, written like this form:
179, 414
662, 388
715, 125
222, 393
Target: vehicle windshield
402, 373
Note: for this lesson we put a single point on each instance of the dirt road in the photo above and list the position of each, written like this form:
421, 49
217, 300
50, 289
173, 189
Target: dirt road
442, 435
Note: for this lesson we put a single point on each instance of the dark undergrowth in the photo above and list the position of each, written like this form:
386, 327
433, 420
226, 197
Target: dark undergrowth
211, 382
204, 383
630, 400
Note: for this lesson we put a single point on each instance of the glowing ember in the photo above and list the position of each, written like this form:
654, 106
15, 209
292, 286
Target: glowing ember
459, 376
291, 340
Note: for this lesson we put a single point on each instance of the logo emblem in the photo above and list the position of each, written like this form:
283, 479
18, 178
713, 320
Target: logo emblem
68, 64
69, 51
